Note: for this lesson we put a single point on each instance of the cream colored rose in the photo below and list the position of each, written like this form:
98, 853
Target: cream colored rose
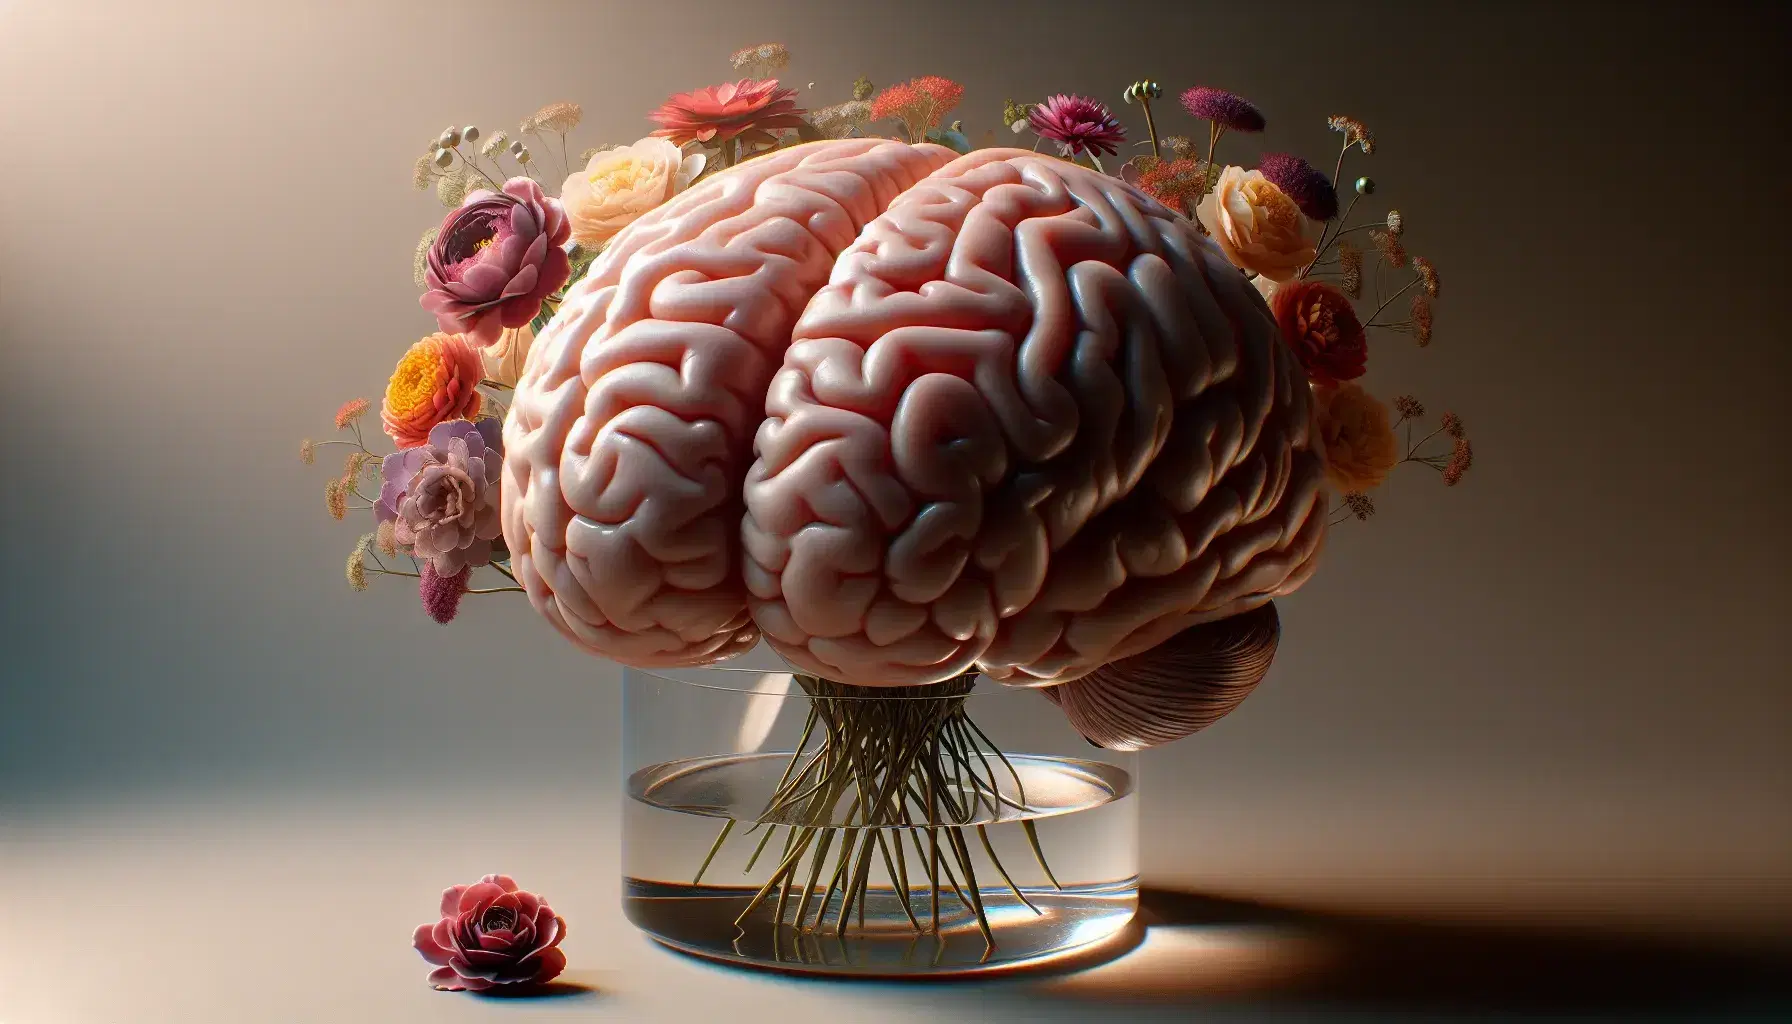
504, 358
1258, 227
619, 185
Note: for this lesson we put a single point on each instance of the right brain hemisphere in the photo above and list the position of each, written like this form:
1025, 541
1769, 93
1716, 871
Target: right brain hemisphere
1032, 424
1028, 422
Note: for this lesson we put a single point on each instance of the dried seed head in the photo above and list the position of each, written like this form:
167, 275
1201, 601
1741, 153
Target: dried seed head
442, 158
1409, 407
1427, 274
1359, 504
451, 189
420, 172
335, 500
386, 538
1391, 249
307, 451
1452, 425
494, 144
356, 569
469, 134
1460, 460
420, 258
1421, 319
1396, 223
1354, 132
350, 411
555, 117
1180, 146
449, 138
1350, 264
862, 89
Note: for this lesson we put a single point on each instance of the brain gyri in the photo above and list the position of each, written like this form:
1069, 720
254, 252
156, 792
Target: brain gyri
909, 414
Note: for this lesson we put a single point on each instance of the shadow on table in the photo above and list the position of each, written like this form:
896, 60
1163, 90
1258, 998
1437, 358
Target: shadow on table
1202, 949
561, 990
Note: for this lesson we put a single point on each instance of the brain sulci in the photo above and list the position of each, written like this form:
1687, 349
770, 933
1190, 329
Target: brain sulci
907, 414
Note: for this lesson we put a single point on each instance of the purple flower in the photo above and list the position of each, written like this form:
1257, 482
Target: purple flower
441, 594
1226, 109
492, 933
1300, 181
1078, 125
442, 495
495, 260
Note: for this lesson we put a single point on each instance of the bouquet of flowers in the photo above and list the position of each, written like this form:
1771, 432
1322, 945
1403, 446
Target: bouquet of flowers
907, 408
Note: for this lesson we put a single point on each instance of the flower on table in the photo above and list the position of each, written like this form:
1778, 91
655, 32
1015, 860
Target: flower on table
436, 380
492, 933
1078, 124
748, 110
1257, 226
621, 184
919, 104
1226, 110
442, 497
495, 260
1320, 324
1360, 446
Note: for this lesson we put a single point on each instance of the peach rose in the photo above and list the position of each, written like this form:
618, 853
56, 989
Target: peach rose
504, 358
1257, 226
1360, 446
619, 185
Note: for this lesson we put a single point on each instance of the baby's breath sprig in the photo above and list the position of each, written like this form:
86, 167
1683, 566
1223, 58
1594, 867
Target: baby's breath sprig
1357, 505
558, 118
1451, 463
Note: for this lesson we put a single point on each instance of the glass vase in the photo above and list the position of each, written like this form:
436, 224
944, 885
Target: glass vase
773, 819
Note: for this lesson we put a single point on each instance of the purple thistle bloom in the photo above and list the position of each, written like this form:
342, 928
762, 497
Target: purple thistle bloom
441, 594
1078, 125
1226, 109
1300, 181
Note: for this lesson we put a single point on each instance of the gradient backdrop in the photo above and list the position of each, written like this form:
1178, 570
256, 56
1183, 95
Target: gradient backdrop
1560, 688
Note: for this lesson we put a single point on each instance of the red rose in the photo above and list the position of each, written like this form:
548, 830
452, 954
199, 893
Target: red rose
1320, 324
492, 933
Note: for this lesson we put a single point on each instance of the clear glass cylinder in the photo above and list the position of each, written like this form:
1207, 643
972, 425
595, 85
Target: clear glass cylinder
775, 820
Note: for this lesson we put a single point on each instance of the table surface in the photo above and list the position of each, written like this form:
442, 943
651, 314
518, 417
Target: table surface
303, 912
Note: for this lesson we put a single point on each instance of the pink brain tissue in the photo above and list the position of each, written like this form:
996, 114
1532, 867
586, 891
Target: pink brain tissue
907, 414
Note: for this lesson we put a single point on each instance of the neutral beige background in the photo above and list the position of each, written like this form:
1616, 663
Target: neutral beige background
1558, 693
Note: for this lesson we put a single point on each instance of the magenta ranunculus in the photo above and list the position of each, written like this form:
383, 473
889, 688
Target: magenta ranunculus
443, 494
492, 933
496, 259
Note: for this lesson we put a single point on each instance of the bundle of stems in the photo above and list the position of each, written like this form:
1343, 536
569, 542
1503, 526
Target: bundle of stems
903, 760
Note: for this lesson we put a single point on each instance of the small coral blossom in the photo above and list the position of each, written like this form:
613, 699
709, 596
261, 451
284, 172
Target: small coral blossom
1320, 324
435, 381
491, 933
919, 103
1178, 184
351, 410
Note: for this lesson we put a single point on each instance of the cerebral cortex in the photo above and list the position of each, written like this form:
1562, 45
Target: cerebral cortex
907, 414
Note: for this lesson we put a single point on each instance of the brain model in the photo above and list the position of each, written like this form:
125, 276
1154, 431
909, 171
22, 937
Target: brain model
907, 414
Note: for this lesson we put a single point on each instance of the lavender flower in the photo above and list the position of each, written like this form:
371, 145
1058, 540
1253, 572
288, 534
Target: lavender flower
1225, 109
1300, 181
1078, 125
442, 496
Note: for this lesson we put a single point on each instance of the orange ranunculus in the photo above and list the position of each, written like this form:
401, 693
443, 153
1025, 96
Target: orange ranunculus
1360, 446
1257, 226
619, 185
436, 380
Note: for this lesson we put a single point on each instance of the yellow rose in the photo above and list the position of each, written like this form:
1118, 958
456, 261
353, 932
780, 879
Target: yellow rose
1257, 226
504, 358
1360, 446
619, 185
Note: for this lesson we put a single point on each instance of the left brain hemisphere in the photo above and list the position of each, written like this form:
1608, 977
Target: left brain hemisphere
632, 428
